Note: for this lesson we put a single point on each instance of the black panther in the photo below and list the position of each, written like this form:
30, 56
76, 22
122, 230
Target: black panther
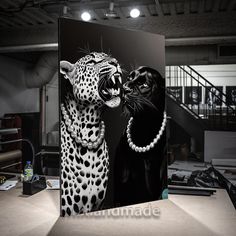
140, 161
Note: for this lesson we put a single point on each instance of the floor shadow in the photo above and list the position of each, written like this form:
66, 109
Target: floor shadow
172, 221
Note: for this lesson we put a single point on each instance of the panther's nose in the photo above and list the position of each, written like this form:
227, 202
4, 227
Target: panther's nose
126, 89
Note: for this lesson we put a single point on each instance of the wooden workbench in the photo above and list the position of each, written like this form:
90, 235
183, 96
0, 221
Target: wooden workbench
180, 215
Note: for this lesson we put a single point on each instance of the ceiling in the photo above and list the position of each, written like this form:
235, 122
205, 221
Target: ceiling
183, 22
35, 13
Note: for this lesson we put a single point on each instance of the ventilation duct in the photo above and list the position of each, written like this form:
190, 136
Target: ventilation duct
43, 71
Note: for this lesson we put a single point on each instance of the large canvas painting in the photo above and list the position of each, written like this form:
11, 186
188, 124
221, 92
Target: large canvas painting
112, 117
193, 95
231, 95
213, 95
176, 92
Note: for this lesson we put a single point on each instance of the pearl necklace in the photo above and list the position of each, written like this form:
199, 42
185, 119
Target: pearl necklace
73, 132
152, 144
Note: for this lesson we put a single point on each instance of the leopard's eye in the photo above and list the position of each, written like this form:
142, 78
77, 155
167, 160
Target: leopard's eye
91, 62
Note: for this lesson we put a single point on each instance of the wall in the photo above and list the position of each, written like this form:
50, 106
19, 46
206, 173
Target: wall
219, 75
14, 95
219, 145
195, 55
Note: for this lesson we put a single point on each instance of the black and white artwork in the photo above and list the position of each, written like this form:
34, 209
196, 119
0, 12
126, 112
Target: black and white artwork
213, 95
176, 91
193, 95
112, 117
231, 95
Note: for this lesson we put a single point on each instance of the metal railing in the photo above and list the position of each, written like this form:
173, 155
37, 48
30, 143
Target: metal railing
200, 97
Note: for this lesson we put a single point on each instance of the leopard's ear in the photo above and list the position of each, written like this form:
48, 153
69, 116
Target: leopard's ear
67, 69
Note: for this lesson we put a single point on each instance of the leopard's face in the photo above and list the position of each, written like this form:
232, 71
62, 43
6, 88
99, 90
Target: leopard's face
96, 79
144, 90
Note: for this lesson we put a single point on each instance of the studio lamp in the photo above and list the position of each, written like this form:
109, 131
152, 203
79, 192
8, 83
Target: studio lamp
85, 16
134, 13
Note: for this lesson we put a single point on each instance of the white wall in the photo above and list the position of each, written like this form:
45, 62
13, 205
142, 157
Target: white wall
14, 96
219, 75
219, 145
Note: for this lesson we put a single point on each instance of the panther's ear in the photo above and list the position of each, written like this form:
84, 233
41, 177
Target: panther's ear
66, 68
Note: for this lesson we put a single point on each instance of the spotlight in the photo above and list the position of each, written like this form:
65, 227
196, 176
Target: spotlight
134, 13
85, 16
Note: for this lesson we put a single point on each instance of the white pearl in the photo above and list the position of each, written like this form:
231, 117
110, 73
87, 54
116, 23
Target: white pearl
155, 140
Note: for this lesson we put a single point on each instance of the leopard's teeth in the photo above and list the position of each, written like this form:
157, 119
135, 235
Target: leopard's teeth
120, 79
114, 92
113, 79
104, 92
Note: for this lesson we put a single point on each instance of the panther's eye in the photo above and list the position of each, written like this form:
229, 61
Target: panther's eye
143, 85
129, 78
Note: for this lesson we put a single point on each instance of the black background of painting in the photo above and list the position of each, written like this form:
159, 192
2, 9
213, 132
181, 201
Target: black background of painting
131, 48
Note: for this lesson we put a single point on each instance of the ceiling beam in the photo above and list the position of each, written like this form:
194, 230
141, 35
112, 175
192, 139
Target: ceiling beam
11, 23
168, 42
201, 6
187, 7
158, 8
216, 5
120, 13
144, 11
231, 5
172, 8
179, 26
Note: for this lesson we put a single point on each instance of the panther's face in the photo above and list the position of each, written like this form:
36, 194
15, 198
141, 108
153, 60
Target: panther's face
144, 90
96, 79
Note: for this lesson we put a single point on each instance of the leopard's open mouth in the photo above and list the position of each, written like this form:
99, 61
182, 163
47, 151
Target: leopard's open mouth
110, 90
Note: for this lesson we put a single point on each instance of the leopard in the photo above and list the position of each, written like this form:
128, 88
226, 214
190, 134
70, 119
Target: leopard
95, 82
